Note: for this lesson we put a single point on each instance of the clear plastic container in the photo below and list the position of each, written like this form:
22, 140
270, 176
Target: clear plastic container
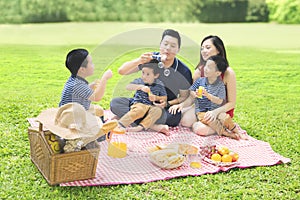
117, 146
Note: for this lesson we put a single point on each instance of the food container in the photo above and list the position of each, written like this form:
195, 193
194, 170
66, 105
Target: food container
117, 146
195, 161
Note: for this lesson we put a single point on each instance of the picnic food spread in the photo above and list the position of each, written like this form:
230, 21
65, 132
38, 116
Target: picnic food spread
174, 155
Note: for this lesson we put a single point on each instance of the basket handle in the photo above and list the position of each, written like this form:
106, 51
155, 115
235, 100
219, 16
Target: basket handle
40, 127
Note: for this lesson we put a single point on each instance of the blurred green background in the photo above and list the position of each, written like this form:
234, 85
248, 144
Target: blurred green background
205, 11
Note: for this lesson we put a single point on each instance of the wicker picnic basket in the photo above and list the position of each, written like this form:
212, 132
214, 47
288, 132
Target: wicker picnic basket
62, 167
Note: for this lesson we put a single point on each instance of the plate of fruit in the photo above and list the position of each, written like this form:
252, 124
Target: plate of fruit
219, 155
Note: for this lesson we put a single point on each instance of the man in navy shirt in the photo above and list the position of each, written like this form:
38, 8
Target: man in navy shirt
174, 74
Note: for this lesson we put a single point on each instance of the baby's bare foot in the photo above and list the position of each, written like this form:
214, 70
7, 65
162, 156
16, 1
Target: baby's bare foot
161, 128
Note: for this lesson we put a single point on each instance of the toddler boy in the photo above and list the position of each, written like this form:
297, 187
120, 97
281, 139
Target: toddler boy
148, 90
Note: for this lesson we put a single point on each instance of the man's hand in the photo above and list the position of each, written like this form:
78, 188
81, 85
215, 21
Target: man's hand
175, 108
145, 57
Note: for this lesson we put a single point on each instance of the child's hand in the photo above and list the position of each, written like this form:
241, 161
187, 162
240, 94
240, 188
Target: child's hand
93, 85
152, 97
108, 74
204, 92
146, 89
208, 96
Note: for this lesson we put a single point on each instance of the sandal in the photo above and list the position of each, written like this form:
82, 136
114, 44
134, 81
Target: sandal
223, 130
230, 134
229, 124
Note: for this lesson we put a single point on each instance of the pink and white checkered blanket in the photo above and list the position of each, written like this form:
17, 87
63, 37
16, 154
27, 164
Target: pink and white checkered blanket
137, 168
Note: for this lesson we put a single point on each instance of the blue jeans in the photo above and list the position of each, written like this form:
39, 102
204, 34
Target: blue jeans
121, 105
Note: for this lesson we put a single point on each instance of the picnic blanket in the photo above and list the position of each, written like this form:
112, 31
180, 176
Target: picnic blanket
136, 167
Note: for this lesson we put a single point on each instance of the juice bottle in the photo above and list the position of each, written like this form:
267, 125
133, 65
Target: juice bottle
199, 92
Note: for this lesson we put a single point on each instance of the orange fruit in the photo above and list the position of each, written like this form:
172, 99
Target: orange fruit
223, 150
216, 157
235, 156
226, 158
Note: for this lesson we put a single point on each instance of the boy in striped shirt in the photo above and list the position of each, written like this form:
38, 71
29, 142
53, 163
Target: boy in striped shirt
77, 89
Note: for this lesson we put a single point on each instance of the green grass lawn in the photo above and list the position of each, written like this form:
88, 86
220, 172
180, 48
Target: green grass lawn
265, 58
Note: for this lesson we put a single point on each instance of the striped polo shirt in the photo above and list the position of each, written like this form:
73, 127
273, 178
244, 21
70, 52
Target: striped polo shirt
76, 90
217, 89
157, 88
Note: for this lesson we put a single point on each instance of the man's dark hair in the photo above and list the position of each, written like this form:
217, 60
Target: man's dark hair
172, 33
76, 59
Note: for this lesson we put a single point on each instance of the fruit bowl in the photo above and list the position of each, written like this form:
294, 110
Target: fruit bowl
219, 155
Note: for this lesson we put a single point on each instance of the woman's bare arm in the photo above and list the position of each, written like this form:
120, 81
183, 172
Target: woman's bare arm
197, 74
